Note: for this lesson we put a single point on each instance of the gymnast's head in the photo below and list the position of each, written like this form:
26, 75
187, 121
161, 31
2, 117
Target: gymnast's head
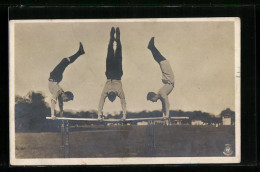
67, 96
151, 96
111, 96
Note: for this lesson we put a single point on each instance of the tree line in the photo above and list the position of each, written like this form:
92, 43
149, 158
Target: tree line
31, 112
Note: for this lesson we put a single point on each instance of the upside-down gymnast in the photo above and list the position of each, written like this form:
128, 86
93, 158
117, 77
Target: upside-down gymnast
167, 79
56, 77
114, 73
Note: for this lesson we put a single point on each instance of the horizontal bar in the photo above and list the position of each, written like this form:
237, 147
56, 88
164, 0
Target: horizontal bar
114, 120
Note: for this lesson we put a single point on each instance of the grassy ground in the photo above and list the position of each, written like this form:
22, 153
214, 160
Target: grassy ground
129, 141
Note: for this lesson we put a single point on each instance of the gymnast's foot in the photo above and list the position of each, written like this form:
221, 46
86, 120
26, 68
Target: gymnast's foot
117, 34
151, 43
112, 33
81, 49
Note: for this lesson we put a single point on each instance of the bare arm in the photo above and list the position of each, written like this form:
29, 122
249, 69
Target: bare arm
166, 104
123, 105
61, 110
163, 107
61, 105
121, 95
53, 103
101, 103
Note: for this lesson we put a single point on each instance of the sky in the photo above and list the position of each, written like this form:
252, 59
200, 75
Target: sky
201, 54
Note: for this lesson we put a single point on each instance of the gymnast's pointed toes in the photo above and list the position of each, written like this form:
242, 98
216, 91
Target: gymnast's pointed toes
151, 43
81, 49
112, 33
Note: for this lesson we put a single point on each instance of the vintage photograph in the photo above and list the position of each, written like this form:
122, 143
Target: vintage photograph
124, 91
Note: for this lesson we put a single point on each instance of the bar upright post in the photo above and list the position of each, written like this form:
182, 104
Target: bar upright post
62, 147
67, 146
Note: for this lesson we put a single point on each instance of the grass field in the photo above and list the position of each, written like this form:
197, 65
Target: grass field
129, 141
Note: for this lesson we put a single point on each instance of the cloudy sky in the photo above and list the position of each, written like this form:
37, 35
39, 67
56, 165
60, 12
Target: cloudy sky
201, 54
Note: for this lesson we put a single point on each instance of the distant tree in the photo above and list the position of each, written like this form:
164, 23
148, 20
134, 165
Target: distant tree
31, 112
19, 99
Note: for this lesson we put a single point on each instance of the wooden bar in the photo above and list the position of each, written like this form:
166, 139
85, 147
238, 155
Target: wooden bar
114, 120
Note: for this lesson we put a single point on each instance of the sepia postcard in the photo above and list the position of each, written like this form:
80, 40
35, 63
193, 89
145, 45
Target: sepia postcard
124, 91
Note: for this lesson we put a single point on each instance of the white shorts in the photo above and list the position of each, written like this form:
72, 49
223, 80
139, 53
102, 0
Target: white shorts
165, 90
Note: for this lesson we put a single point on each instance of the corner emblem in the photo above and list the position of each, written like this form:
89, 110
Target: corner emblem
228, 150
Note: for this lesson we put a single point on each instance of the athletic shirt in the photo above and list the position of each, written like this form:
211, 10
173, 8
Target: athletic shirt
55, 90
57, 73
167, 73
116, 87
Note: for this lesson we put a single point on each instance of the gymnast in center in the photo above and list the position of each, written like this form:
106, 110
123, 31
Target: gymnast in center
114, 72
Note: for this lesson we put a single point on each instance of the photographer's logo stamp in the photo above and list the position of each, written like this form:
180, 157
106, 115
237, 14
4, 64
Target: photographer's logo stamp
228, 150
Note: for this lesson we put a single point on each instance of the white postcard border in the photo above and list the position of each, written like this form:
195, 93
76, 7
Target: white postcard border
132, 160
